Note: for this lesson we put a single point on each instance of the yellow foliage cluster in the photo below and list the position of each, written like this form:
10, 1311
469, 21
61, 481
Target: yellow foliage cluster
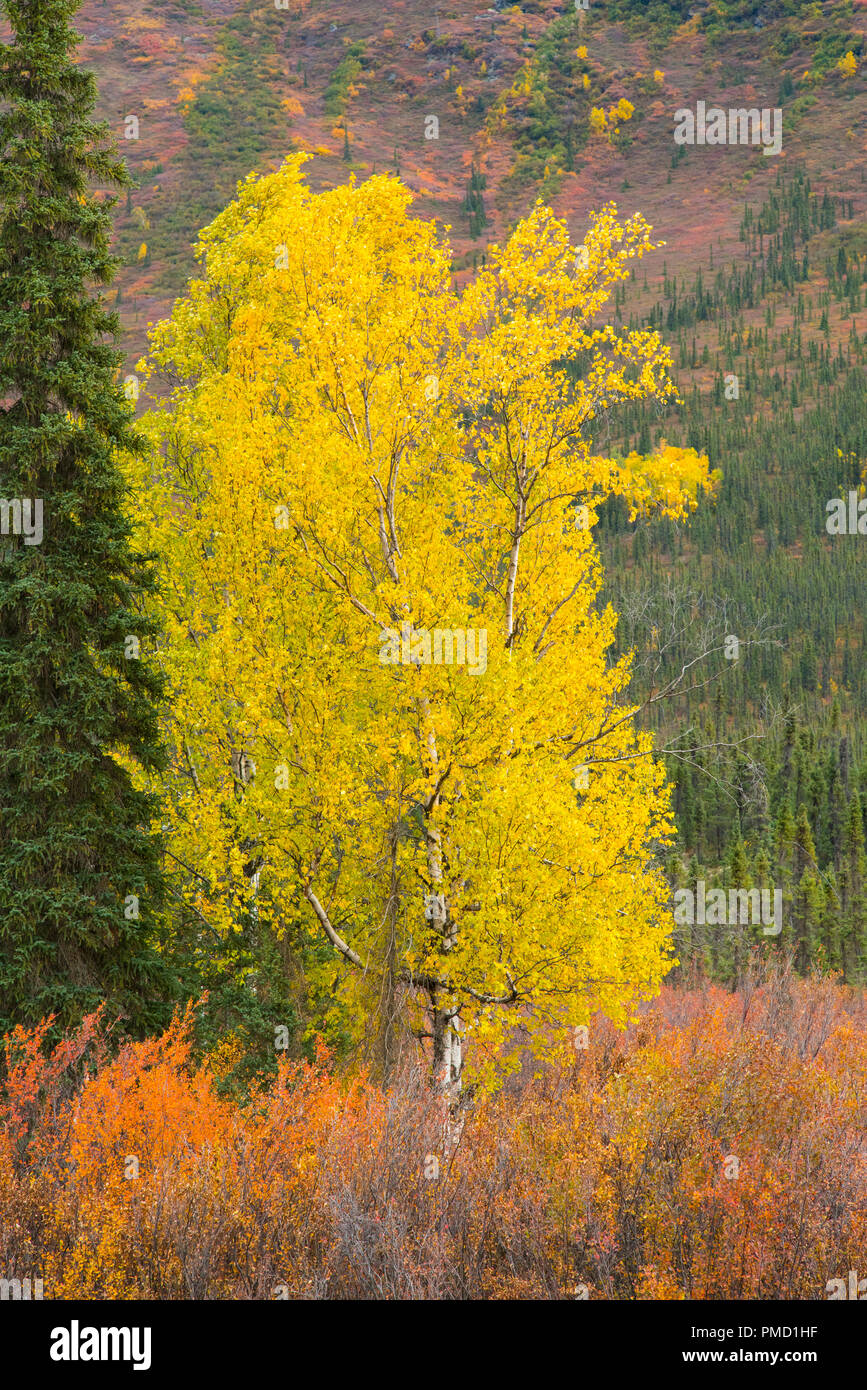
356, 455
602, 124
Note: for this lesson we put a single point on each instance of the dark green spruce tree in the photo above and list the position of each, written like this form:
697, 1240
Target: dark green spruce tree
80, 871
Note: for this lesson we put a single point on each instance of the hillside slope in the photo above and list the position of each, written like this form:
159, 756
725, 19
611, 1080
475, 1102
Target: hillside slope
225, 86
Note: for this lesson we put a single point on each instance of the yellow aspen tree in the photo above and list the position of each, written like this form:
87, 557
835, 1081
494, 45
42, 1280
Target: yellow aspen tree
394, 715
598, 122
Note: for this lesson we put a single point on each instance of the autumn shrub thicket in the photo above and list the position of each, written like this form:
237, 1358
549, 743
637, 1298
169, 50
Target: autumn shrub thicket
715, 1149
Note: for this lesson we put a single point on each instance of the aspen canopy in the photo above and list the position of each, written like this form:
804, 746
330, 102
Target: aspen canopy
344, 447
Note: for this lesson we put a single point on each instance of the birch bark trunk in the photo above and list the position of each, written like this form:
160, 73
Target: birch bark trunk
446, 1023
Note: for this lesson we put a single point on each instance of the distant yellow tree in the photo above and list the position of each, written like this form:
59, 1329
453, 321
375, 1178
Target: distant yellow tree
609, 125
394, 716
848, 64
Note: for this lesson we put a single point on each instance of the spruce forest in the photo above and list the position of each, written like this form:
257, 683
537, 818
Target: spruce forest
433, 658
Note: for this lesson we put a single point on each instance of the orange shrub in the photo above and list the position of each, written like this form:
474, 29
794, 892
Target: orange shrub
715, 1149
